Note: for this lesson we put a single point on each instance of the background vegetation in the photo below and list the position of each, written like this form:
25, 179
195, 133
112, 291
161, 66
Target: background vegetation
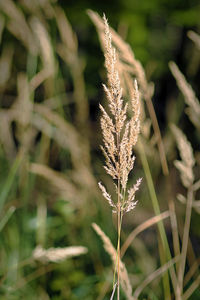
51, 74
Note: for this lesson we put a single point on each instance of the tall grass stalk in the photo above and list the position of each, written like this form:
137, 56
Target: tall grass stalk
128, 66
185, 238
6, 217
119, 136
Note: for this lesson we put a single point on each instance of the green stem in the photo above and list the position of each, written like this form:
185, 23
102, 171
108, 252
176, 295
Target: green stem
10, 179
185, 238
118, 243
161, 229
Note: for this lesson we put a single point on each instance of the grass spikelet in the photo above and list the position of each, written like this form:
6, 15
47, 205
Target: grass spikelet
107, 196
123, 50
185, 166
194, 37
57, 254
188, 94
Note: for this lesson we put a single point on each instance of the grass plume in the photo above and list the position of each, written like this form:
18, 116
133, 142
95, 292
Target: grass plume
119, 136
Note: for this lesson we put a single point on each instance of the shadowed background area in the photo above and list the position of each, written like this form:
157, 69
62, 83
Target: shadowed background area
51, 75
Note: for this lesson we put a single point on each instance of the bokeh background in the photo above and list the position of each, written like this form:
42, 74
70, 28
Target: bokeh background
51, 75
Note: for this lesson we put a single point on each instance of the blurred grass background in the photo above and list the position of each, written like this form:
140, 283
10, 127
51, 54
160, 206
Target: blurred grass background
51, 74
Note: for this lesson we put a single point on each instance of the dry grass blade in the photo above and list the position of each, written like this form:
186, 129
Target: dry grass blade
39, 78
52, 125
67, 35
23, 102
17, 25
194, 268
2, 24
141, 228
65, 188
153, 276
45, 46
6, 137
195, 204
25, 132
57, 254
67, 136
5, 66
196, 185
185, 238
195, 284
64, 127
44, 41
125, 282
68, 50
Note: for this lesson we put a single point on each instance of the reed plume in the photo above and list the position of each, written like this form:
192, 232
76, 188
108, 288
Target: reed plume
119, 136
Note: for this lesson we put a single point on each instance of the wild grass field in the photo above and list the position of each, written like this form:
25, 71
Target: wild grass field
99, 150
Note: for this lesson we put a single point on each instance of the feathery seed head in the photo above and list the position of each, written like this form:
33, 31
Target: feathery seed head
119, 134
185, 166
57, 254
